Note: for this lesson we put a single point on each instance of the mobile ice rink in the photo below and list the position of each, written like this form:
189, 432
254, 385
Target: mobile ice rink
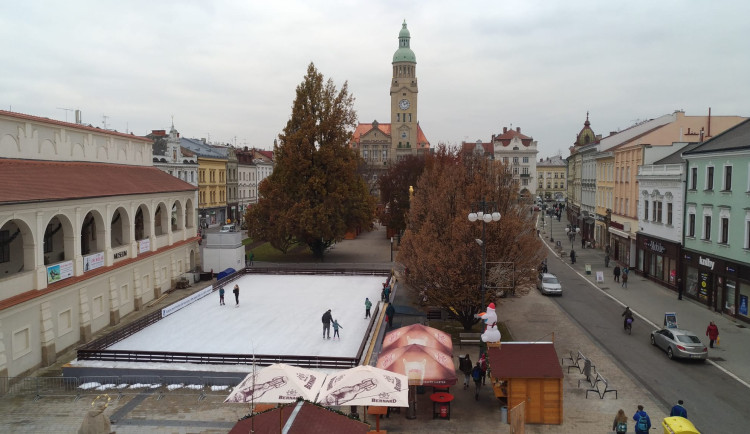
277, 314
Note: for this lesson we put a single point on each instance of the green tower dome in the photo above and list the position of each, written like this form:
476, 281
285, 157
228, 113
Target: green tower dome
404, 53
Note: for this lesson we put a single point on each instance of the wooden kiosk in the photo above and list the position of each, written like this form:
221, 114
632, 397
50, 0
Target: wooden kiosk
530, 372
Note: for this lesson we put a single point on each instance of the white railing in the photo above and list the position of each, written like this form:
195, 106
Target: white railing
660, 169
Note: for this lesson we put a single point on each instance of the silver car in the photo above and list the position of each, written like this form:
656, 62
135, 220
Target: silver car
547, 283
679, 343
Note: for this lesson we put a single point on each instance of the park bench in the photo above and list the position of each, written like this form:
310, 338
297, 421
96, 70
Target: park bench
469, 338
596, 388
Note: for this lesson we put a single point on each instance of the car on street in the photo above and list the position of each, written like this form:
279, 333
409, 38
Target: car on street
679, 343
548, 284
227, 228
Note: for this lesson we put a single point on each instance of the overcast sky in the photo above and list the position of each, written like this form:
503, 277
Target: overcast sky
228, 69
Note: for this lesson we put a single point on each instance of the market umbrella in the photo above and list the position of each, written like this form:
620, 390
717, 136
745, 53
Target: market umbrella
278, 383
420, 335
365, 385
421, 365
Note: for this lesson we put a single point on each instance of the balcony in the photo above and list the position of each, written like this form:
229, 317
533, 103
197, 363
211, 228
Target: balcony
660, 170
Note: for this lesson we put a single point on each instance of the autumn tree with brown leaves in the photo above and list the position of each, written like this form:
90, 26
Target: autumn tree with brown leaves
394, 190
439, 250
314, 195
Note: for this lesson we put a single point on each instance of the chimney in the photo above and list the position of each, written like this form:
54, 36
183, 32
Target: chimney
505, 130
709, 122
518, 129
78, 115
701, 139
612, 133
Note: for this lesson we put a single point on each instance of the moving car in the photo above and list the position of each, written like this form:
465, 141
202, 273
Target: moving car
547, 283
227, 228
679, 343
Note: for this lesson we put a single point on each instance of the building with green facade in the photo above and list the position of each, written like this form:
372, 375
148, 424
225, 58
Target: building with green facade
715, 262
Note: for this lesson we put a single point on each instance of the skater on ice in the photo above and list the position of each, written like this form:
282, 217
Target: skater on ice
336, 327
221, 296
368, 305
236, 291
327, 324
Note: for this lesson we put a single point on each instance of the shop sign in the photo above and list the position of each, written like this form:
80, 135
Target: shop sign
654, 246
121, 254
706, 262
703, 283
743, 305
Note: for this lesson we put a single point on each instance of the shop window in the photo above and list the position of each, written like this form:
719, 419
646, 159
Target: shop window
729, 306
727, 178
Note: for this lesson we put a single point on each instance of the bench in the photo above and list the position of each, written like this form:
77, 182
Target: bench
580, 362
469, 338
595, 387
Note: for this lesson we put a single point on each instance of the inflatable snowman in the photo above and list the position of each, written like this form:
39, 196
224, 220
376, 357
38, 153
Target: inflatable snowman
491, 333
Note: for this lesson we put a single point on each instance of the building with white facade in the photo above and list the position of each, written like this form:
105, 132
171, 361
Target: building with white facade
518, 152
90, 231
176, 160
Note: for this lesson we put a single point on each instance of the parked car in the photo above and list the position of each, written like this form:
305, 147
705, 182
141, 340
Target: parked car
548, 284
679, 343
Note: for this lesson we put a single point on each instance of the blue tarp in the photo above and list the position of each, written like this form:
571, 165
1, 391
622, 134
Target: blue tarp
225, 273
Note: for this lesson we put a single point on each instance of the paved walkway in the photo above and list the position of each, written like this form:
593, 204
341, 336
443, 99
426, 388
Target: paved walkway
529, 318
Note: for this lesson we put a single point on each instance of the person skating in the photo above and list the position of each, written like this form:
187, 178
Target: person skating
236, 292
713, 333
336, 327
642, 421
327, 324
616, 273
678, 410
464, 365
368, 305
221, 296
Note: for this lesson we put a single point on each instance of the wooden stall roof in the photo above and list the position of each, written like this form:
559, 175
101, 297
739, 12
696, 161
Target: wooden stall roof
308, 419
525, 360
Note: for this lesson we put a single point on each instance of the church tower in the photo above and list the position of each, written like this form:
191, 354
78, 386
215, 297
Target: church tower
404, 125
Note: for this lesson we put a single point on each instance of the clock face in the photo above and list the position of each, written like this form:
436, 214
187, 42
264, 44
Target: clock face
404, 104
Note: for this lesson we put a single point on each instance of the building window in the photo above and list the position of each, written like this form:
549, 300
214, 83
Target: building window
691, 225
657, 211
669, 213
724, 237
709, 178
505, 160
627, 174
645, 209
515, 160
627, 207
525, 159
707, 227
727, 178
693, 178
525, 170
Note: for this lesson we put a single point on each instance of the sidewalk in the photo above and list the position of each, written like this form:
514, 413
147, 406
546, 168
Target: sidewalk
649, 301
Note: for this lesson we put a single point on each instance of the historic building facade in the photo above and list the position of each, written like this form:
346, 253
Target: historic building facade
212, 184
175, 160
551, 179
517, 152
90, 231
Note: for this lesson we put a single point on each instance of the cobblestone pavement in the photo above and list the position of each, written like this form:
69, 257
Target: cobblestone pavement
529, 318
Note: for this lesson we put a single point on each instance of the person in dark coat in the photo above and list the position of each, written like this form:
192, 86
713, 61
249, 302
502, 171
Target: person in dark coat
390, 311
680, 288
572, 256
236, 292
678, 410
464, 365
616, 273
327, 317
368, 305
476, 375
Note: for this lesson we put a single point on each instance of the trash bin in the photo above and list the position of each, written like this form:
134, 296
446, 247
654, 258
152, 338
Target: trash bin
504, 414
678, 425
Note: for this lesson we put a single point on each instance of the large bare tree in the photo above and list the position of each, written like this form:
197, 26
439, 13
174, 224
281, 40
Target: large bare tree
439, 249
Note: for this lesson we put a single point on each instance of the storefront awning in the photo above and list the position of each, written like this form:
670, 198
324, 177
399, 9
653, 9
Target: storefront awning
618, 232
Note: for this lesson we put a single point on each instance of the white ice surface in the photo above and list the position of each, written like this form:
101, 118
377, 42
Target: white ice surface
278, 314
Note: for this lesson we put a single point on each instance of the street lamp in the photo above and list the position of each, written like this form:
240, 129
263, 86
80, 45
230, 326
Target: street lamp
391, 249
486, 212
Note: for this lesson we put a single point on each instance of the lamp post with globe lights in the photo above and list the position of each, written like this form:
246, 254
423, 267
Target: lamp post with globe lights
485, 212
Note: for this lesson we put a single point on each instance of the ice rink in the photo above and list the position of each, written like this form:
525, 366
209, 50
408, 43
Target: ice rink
277, 314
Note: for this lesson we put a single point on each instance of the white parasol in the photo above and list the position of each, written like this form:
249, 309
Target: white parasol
278, 383
366, 386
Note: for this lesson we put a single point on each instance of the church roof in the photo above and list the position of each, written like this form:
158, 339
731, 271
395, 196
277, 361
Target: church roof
404, 53
586, 136
362, 129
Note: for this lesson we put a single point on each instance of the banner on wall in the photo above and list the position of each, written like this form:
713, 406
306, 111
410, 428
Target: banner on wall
743, 305
144, 245
174, 307
92, 262
703, 285
60, 271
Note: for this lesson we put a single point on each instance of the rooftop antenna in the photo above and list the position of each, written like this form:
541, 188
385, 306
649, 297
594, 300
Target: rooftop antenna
66, 112
104, 121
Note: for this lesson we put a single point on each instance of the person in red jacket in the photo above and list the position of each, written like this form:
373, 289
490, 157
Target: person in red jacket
713, 333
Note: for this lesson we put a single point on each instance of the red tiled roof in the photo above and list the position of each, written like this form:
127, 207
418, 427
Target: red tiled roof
363, 129
470, 146
267, 154
311, 419
73, 126
35, 180
509, 134
524, 360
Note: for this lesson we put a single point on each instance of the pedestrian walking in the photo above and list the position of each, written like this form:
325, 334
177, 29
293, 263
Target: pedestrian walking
606, 260
624, 280
680, 288
221, 296
390, 311
713, 333
483, 365
642, 421
327, 324
583, 242
620, 425
252, 256
678, 410
336, 327
368, 305
236, 292
464, 365
572, 256
616, 273
476, 375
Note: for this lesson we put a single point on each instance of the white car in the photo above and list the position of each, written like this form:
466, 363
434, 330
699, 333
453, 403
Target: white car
548, 284
227, 228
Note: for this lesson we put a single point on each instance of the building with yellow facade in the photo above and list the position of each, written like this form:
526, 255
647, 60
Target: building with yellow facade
212, 182
551, 178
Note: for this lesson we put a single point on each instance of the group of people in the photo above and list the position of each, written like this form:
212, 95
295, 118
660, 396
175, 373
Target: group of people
328, 321
236, 292
642, 420
477, 372
616, 272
